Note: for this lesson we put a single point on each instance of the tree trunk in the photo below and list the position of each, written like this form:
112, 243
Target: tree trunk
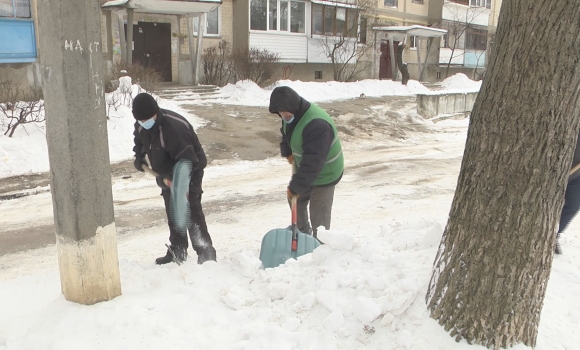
493, 264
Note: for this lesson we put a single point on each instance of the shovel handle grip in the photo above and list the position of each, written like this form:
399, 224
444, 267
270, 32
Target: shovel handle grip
293, 205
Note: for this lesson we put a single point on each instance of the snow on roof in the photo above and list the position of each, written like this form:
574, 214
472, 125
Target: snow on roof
415, 30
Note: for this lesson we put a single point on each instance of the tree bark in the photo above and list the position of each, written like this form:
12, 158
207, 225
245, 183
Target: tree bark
493, 264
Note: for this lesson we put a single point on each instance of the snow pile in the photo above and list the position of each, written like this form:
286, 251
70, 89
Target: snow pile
460, 81
348, 293
244, 92
333, 90
247, 93
344, 293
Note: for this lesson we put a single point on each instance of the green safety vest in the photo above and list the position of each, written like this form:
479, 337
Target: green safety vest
334, 165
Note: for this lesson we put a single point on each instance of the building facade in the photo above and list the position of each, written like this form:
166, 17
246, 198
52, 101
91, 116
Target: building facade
18, 43
471, 26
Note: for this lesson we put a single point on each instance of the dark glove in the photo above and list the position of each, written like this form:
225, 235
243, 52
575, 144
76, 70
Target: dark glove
164, 182
138, 163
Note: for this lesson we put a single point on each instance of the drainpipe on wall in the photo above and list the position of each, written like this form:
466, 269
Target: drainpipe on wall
190, 38
129, 37
199, 49
122, 38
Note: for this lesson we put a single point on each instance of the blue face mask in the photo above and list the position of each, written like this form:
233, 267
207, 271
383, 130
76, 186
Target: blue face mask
289, 121
148, 124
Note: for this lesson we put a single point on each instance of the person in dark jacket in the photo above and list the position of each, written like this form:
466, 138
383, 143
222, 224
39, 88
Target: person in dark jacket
310, 142
572, 197
167, 137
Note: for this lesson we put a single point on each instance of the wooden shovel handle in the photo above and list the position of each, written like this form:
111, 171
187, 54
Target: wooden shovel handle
574, 169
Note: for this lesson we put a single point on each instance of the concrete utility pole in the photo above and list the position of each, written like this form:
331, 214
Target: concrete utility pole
72, 75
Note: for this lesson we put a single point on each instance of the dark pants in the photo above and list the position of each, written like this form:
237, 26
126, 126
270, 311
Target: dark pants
318, 202
571, 203
198, 233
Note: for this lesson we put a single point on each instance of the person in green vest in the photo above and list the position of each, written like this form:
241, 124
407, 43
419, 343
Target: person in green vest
310, 142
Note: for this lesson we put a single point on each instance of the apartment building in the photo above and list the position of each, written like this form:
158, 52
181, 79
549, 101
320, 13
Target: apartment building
471, 26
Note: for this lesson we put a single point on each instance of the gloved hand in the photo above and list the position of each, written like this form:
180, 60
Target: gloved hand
138, 163
163, 181
290, 194
290, 159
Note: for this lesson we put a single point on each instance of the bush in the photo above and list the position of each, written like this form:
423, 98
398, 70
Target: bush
21, 107
216, 64
254, 64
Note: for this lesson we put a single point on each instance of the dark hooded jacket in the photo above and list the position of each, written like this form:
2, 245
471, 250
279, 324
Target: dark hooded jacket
317, 138
171, 139
576, 160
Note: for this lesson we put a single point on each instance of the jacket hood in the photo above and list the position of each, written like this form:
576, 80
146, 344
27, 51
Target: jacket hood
284, 99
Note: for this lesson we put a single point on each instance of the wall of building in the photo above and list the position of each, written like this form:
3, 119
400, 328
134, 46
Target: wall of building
226, 30
27, 75
307, 71
241, 24
406, 12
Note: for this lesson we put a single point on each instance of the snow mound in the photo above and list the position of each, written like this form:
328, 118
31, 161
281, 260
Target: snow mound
460, 81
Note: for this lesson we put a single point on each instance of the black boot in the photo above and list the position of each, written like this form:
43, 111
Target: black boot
206, 254
179, 252
558, 248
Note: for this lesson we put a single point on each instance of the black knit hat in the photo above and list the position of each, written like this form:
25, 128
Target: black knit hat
144, 106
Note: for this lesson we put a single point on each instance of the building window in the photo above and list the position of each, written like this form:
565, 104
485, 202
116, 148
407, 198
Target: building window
258, 15
284, 16
481, 3
413, 42
278, 15
15, 8
212, 25
297, 17
445, 41
332, 20
475, 39
418, 1
317, 74
391, 3
462, 2
273, 15
363, 30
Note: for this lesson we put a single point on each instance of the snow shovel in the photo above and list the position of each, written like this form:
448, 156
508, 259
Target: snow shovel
281, 244
179, 211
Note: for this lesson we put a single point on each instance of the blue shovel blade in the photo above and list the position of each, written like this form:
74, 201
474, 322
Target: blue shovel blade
277, 247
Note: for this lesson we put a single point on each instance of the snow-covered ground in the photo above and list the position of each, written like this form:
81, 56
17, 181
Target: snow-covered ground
364, 289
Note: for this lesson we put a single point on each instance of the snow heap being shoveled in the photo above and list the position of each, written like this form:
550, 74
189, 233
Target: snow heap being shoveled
347, 293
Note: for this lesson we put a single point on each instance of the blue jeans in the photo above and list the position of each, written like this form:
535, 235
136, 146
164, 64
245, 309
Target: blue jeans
571, 203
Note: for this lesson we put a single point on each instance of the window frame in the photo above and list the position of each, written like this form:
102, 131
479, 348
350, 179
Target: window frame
14, 10
412, 42
289, 13
348, 12
480, 3
461, 2
474, 37
396, 3
205, 34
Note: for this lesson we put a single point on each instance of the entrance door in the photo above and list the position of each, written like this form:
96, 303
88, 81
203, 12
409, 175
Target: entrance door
152, 47
385, 66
